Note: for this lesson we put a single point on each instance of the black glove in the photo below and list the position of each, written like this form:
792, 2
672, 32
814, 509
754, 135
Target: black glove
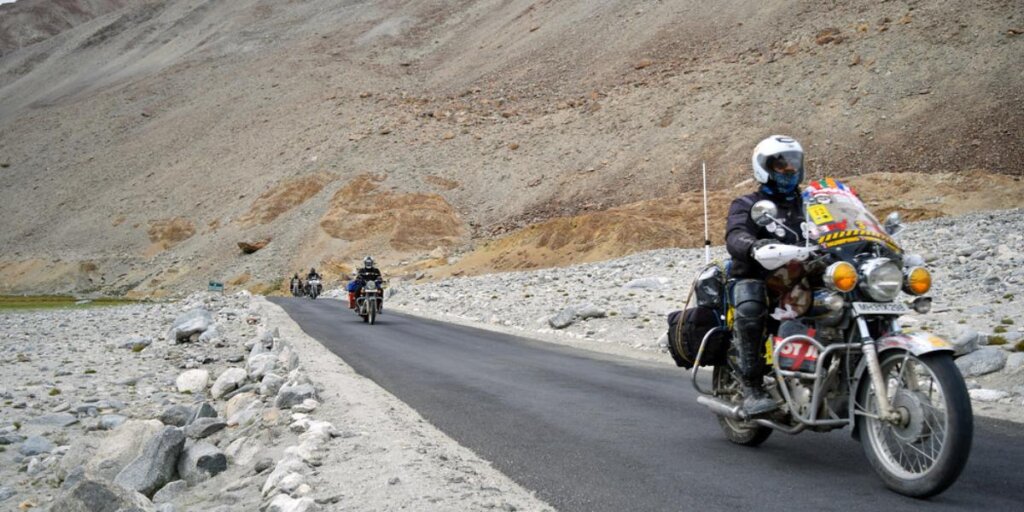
759, 244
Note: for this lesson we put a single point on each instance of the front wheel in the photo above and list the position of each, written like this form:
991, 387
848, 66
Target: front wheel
923, 452
372, 316
727, 387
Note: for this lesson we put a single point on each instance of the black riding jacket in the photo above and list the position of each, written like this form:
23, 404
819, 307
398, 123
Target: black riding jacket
368, 274
741, 232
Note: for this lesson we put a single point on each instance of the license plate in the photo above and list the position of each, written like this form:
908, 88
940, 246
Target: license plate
879, 308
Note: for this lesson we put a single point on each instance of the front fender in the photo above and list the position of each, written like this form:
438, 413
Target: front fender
916, 343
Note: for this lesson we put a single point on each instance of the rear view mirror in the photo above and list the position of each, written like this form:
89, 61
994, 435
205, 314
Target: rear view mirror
893, 223
763, 212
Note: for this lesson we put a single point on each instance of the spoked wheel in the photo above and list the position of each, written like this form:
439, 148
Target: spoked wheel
727, 387
922, 452
372, 316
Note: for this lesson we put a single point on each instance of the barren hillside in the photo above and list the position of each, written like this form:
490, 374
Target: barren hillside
138, 147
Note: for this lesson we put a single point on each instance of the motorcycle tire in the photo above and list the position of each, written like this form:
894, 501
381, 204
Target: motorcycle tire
372, 317
921, 423
727, 387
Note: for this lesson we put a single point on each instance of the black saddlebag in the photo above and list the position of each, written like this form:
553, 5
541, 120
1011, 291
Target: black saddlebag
687, 328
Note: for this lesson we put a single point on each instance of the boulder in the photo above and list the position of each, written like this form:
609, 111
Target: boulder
36, 445
563, 319
155, 467
204, 427
983, 361
110, 421
91, 494
285, 503
113, 452
587, 311
176, 415
239, 402
136, 343
194, 322
201, 461
288, 359
227, 381
243, 450
170, 492
193, 381
260, 365
251, 247
292, 394
271, 384
203, 410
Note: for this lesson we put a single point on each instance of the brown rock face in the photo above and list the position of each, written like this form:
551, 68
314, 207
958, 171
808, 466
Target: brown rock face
402, 221
169, 232
286, 195
251, 247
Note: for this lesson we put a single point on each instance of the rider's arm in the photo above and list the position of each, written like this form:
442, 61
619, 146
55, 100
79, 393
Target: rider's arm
740, 232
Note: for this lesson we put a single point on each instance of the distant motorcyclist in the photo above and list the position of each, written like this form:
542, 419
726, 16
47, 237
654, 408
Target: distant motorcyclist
369, 272
296, 284
310, 276
778, 164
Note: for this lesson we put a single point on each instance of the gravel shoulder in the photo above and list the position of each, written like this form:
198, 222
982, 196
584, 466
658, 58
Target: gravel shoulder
390, 457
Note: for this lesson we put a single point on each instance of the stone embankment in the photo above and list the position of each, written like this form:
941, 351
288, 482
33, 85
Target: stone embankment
204, 405
977, 262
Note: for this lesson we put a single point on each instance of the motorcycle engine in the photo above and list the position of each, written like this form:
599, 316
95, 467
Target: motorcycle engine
801, 395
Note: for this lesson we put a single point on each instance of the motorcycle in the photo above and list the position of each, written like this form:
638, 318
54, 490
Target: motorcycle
296, 287
313, 288
368, 302
840, 356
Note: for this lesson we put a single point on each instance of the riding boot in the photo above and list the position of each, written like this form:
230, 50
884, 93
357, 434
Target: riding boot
751, 365
749, 299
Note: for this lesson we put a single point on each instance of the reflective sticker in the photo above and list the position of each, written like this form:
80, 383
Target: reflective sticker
819, 214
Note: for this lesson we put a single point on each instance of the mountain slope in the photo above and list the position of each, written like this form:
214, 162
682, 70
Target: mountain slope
126, 132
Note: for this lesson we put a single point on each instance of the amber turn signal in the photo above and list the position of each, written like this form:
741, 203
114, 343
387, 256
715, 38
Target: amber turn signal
918, 281
841, 276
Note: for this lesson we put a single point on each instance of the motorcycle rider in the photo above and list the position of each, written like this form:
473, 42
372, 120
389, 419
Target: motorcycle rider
296, 284
778, 165
310, 276
369, 272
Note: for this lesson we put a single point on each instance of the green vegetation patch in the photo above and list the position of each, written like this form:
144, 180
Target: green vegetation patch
27, 302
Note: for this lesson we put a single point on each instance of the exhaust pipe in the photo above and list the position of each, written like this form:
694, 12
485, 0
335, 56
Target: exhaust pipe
723, 408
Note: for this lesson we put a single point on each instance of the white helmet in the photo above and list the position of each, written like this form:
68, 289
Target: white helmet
367, 262
775, 153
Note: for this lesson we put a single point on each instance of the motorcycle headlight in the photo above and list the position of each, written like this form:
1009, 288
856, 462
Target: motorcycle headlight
882, 279
841, 276
917, 281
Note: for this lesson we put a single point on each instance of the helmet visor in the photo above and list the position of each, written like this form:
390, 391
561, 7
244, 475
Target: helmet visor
787, 162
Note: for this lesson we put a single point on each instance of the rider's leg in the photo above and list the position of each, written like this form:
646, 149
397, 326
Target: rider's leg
751, 308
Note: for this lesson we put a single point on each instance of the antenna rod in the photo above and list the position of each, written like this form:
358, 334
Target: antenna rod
707, 241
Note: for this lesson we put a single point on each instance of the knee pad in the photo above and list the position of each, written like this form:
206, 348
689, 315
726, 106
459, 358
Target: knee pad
749, 299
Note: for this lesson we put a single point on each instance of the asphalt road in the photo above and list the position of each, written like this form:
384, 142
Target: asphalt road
589, 432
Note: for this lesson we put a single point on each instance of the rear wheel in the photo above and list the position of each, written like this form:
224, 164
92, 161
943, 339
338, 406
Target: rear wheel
727, 387
923, 452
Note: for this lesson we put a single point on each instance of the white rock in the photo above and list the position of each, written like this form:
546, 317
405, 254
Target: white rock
243, 450
228, 381
285, 503
193, 381
988, 395
307, 405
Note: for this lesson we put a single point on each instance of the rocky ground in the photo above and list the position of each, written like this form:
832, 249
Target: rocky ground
213, 403
620, 305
